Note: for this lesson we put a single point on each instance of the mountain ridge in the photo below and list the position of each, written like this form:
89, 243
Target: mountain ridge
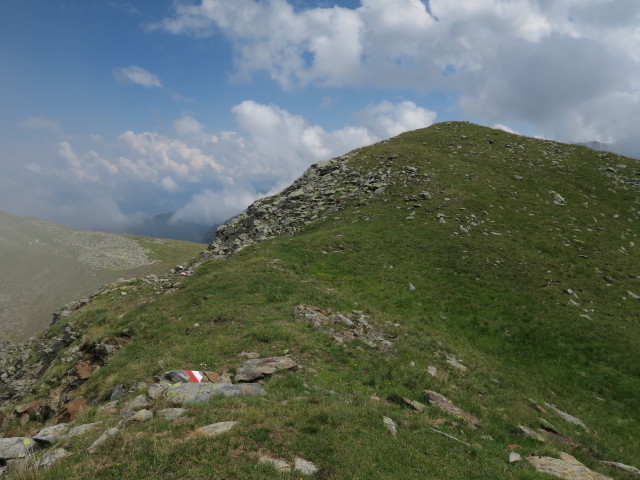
481, 302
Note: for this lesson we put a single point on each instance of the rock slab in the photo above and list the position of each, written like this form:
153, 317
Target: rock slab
188, 393
214, 429
445, 404
567, 467
256, 368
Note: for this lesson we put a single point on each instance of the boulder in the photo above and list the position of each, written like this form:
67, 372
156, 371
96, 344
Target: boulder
279, 465
52, 433
567, 467
16, 447
188, 393
172, 413
53, 456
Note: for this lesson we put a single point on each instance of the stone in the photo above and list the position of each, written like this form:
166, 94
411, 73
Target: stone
567, 467
52, 433
303, 466
82, 429
414, 404
102, 438
53, 456
109, 406
433, 371
141, 416
390, 424
214, 429
455, 363
172, 413
16, 447
83, 370
188, 393
411, 287
118, 392
622, 466
156, 390
514, 457
141, 401
249, 355
279, 465
259, 367
29, 408
566, 416
529, 432
445, 404
74, 407
195, 376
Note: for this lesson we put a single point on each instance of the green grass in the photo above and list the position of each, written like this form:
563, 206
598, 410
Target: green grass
494, 298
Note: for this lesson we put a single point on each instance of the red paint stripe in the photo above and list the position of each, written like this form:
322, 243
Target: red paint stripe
193, 378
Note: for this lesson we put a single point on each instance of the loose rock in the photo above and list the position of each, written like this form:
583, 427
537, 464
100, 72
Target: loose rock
259, 367
52, 433
102, 438
390, 424
304, 466
53, 456
279, 465
16, 447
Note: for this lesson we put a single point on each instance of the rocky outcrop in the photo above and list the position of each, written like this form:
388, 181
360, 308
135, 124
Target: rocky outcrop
324, 188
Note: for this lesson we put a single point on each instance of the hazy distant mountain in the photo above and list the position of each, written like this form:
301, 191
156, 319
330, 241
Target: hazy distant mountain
596, 145
44, 265
159, 226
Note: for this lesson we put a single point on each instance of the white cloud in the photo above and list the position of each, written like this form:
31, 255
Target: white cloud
137, 75
504, 128
125, 7
536, 61
187, 126
388, 120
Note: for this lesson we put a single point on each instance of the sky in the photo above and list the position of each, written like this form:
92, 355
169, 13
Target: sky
115, 111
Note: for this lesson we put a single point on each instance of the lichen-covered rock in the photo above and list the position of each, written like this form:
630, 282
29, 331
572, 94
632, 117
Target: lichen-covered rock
16, 447
566, 467
214, 429
52, 433
189, 393
172, 413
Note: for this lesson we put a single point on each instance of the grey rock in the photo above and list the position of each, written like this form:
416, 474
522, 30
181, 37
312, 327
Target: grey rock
279, 465
141, 416
189, 393
445, 404
528, 432
390, 424
52, 433
514, 457
117, 393
303, 466
172, 413
141, 401
259, 367
156, 390
455, 363
621, 466
102, 438
214, 429
53, 456
566, 416
16, 447
82, 429
111, 404
566, 467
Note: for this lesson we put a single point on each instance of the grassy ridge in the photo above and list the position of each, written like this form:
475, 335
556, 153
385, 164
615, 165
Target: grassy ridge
532, 295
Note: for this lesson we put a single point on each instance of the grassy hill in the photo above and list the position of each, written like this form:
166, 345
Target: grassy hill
501, 272
44, 265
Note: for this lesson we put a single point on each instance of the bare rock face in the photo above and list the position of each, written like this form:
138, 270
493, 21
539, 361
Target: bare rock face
324, 188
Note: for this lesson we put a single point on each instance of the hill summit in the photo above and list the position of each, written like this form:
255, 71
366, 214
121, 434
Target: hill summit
456, 302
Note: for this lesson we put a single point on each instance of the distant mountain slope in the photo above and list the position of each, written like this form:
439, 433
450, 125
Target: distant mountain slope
44, 265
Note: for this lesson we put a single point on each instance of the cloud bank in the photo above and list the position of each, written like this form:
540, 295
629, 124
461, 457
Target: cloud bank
570, 68
205, 177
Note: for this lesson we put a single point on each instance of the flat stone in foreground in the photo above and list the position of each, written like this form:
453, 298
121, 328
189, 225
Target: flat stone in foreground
188, 393
259, 367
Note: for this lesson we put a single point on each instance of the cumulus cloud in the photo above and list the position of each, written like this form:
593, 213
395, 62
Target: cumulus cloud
137, 75
536, 61
40, 123
204, 177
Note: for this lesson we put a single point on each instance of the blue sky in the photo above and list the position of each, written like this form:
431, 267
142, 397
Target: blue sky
113, 111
